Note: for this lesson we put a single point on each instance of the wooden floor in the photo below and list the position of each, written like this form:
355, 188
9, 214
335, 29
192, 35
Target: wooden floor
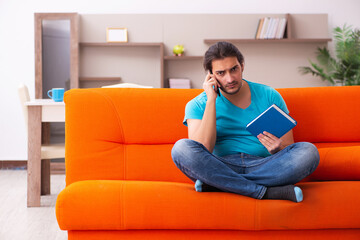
19, 222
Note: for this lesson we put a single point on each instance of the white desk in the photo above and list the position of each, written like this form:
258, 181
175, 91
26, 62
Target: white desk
39, 110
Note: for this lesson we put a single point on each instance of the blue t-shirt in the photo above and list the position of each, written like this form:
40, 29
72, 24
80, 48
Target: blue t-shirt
231, 121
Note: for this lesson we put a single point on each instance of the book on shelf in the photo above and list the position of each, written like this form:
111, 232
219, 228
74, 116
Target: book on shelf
271, 28
264, 28
281, 29
272, 120
260, 25
179, 83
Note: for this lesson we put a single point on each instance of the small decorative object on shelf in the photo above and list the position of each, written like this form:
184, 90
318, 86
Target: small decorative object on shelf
178, 50
116, 35
179, 83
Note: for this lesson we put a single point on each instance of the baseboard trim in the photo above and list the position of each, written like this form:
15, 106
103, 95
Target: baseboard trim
55, 167
13, 165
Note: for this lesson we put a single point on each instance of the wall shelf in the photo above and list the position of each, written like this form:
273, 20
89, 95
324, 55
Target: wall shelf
180, 58
106, 44
81, 79
262, 41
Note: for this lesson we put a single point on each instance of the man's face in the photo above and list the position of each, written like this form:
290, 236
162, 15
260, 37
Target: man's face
228, 72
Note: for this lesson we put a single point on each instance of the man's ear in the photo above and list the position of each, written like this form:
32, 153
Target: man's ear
242, 66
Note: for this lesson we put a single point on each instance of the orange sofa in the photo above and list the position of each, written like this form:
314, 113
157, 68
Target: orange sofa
121, 182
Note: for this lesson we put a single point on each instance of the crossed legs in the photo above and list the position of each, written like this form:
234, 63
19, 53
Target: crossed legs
242, 173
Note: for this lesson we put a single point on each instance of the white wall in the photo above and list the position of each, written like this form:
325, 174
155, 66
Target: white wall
17, 41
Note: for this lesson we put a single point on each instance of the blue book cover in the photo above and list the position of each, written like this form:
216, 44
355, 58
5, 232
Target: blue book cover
272, 120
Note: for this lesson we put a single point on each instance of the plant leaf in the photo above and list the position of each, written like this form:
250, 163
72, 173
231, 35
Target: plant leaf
346, 64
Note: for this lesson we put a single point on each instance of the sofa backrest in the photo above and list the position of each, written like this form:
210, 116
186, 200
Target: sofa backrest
324, 114
128, 133
124, 133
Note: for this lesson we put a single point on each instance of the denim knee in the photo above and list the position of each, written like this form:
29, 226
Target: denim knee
181, 150
184, 155
179, 147
311, 155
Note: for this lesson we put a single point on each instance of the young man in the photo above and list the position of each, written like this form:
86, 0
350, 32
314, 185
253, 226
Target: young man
220, 154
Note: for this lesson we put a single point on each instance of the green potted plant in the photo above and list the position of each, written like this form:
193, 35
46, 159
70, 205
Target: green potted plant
344, 69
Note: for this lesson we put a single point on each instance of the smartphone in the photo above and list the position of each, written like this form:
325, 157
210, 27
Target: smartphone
217, 89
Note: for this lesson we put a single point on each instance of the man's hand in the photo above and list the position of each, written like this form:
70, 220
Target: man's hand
210, 86
204, 130
271, 142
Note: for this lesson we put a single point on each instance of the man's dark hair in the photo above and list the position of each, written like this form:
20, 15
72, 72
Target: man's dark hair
221, 50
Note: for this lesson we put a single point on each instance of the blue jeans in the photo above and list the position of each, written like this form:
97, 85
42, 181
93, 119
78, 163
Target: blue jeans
242, 173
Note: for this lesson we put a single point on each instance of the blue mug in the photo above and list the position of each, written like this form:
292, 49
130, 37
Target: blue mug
57, 94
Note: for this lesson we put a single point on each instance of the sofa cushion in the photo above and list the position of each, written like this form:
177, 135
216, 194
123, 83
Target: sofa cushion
324, 114
121, 205
129, 116
113, 161
102, 123
336, 144
337, 163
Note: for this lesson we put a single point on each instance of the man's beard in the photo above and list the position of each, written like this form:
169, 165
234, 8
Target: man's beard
232, 93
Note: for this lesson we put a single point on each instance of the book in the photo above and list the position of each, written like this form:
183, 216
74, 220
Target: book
260, 26
281, 29
264, 28
274, 29
270, 28
272, 120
